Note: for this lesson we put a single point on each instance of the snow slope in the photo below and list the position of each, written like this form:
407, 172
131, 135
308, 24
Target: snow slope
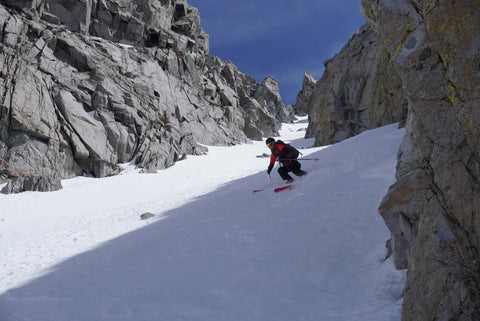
214, 250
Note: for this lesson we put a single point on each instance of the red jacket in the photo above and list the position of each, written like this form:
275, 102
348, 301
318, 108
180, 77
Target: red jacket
278, 151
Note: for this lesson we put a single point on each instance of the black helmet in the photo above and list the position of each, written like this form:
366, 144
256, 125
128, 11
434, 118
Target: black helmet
269, 140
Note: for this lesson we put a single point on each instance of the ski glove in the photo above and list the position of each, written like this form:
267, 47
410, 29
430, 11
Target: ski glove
269, 170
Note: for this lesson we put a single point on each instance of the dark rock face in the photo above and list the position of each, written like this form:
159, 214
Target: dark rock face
433, 210
359, 90
86, 85
32, 183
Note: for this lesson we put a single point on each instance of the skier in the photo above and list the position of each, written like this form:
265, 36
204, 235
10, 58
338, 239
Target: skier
287, 157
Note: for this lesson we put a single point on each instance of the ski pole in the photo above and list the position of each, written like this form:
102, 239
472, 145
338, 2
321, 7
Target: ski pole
301, 159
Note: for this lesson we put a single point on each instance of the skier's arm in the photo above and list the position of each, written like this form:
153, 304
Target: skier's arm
269, 170
272, 163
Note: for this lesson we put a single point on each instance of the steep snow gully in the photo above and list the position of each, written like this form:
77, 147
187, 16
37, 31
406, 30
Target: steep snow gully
214, 250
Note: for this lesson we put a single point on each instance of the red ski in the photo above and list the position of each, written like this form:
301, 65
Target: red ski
283, 188
276, 190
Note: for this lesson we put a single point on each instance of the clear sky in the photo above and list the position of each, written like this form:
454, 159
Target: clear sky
279, 38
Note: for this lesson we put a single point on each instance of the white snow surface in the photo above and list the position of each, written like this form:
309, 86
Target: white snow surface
214, 250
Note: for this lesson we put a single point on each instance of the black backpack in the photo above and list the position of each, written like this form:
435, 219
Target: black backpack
290, 151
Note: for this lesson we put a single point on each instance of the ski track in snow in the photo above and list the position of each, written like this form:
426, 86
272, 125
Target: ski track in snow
214, 250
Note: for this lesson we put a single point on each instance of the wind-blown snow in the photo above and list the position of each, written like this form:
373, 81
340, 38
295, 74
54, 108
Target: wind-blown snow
214, 250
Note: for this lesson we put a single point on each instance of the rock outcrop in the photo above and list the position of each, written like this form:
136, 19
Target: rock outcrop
86, 85
303, 97
433, 210
359, 90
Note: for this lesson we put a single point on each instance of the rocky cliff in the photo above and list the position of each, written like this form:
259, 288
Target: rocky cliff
433, 210
86, 85
418, 62
359, 90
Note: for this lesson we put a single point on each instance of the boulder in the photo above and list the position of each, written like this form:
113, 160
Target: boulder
32, 184
146, 216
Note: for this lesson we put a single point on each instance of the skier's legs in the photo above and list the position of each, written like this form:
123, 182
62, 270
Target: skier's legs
295, 168
300, 172
283, 171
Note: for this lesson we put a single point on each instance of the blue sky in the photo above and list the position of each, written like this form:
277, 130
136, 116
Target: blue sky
279, 38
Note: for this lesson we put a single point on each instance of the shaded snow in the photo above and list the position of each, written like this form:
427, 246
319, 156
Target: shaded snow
214, 250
